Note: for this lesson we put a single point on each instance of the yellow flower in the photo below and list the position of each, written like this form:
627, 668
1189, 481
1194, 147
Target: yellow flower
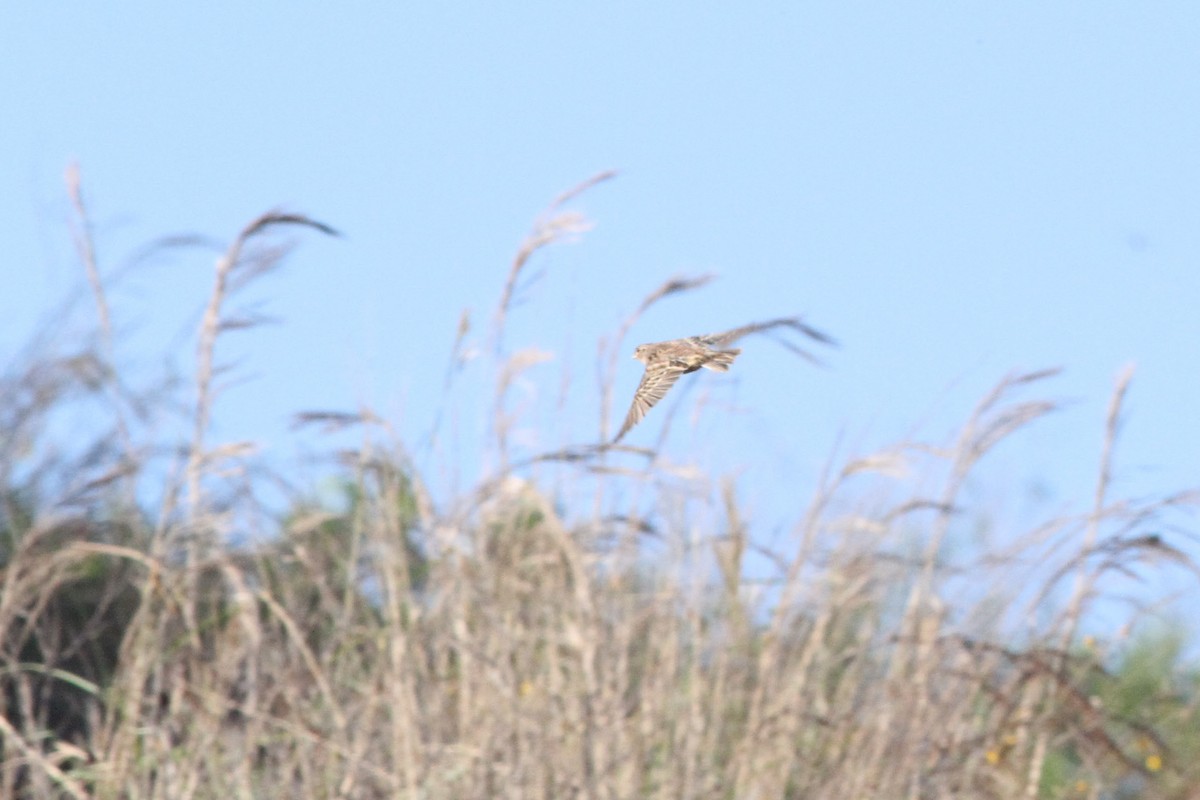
1154, 763
997, 754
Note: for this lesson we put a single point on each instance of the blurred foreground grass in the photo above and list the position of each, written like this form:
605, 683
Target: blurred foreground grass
387, 643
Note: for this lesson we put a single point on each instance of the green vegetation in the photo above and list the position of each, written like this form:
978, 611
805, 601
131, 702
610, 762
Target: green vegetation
386, 643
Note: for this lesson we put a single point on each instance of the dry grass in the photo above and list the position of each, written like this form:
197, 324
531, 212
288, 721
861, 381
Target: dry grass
490, 645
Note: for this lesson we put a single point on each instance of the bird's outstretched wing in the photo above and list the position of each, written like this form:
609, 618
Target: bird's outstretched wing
656, 382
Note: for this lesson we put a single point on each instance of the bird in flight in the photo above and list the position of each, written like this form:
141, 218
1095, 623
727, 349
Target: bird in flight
666, 362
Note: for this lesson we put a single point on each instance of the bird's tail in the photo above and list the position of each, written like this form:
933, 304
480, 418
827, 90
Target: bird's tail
721, 360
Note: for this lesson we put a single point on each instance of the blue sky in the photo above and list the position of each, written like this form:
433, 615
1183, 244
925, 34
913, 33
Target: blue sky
954, 191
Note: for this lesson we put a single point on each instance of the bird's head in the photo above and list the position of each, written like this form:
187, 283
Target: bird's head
642, 353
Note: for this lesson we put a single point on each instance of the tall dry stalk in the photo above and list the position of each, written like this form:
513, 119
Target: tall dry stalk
554, 225
233, 271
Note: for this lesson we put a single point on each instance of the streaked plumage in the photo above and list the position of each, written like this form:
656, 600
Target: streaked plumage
666, 362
